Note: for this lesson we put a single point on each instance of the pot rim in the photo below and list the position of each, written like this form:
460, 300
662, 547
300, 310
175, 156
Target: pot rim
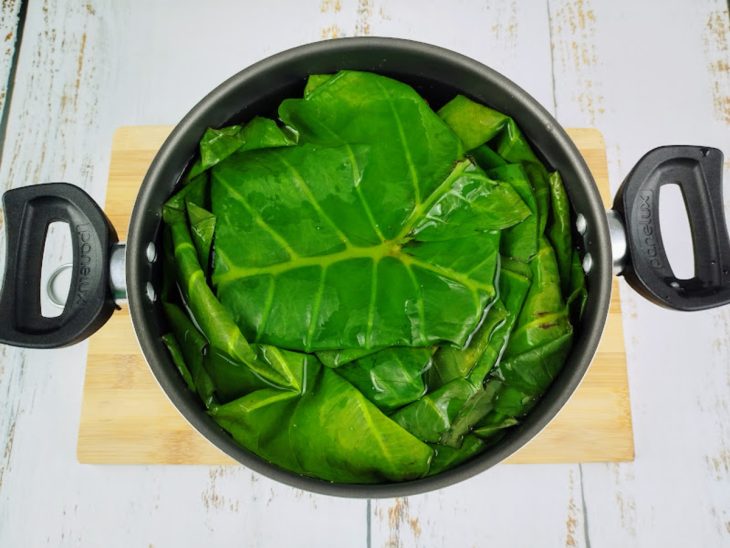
581, 355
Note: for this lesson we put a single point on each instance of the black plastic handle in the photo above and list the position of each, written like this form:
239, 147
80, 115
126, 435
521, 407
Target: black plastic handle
698, 172
28, 213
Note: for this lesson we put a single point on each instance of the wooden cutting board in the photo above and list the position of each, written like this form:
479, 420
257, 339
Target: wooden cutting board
127, 419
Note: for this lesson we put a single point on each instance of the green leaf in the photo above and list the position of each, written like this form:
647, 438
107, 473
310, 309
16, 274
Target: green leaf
494, 424
314, 81
486, 158
449, 457
337, 358
578, 293
544, 315
192, 347
513, 288
475, 124
409, 150
338, 435
511, 145
263, 132
519, 241
432, 415
177, 357
390, 378
474, 409
214, 320
473, 204
218, 144
451, 363
202, 228
559, 231
531, 372
539, 180
169, 284
539, 345
359, 231
258, 422
231, 379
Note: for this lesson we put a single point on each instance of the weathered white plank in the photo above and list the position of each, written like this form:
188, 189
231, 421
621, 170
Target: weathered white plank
84, 69
649, 74
9, 18
11, 366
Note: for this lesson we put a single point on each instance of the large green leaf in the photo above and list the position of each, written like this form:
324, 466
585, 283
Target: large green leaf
321, 225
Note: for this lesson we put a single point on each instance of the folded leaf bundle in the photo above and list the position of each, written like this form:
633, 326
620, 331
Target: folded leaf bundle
366, 290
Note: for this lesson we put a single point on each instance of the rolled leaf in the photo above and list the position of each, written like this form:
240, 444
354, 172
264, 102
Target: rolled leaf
486, 158
432, 415
474, 409
449, 457
578, 292
513, 288
451, 363
520, 241
202, 228
559, 231
475, 124
177, 357
192, 347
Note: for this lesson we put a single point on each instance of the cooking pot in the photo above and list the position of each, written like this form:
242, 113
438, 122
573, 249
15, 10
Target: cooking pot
626, 240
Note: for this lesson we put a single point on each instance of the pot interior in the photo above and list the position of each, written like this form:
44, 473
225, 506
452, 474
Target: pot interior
438, 75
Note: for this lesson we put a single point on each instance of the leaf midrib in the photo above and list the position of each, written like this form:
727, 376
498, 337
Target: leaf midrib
374, 253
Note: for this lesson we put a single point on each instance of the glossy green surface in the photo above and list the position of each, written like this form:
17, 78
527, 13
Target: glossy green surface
367, 291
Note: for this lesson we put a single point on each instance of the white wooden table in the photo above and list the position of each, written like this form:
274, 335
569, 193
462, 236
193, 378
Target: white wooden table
644, 72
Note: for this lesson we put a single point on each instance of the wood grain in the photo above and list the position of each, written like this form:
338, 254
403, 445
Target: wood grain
126, 418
